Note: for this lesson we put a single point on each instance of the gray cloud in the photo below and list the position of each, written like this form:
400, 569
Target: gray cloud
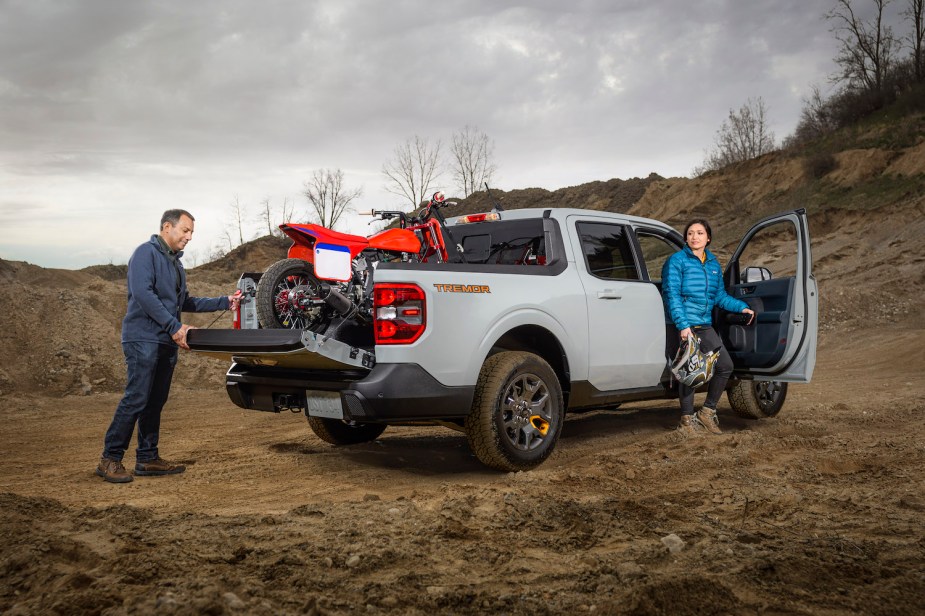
150, 96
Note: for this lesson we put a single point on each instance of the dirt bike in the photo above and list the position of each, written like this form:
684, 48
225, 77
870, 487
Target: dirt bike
329, 274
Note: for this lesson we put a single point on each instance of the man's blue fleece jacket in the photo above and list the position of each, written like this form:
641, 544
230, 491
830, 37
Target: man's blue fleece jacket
157, 295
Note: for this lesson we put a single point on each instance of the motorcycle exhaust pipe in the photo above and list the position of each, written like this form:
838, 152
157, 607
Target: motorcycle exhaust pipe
338, 301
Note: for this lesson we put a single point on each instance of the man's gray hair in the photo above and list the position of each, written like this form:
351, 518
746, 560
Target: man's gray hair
173, 217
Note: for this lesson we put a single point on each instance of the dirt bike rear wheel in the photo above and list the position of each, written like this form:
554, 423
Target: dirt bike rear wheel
287, 298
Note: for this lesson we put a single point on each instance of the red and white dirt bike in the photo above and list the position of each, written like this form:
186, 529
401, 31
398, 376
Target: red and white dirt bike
330, 274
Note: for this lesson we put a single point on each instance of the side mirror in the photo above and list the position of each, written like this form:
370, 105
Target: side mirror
756, 274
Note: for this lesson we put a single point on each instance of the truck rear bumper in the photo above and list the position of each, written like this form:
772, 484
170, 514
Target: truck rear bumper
389, 393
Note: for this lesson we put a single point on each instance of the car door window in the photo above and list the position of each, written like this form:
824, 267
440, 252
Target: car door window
655, 251
607, 251
773, 248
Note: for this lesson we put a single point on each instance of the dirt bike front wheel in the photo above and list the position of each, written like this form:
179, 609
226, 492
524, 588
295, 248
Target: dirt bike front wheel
287, 298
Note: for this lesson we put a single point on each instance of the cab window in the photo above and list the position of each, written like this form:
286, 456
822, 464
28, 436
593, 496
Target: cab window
607, 251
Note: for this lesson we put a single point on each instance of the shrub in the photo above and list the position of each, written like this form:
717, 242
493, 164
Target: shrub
819, 164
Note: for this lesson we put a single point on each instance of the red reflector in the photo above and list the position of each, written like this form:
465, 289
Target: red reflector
410, 312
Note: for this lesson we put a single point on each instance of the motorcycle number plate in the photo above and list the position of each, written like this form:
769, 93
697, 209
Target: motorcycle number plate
324, 404
332, 262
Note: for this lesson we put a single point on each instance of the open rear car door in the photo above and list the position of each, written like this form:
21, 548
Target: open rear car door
771, 271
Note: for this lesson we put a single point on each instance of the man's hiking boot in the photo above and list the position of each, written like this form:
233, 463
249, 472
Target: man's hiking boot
688, 426
153, 468
113, 471
708, 419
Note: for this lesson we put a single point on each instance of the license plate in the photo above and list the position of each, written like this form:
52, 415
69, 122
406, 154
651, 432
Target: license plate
324, 404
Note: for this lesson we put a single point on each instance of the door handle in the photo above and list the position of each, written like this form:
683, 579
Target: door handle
608, 294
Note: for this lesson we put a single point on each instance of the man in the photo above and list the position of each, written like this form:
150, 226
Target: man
151, 333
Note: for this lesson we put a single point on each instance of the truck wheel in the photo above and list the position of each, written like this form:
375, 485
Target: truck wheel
340, 432
757, 399
287, 298
517, 412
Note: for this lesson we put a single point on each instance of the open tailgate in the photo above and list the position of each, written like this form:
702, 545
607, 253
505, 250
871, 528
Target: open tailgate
285, 348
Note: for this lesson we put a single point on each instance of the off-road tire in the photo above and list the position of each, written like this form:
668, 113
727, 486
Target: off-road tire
757, 399
491, 425
339, 432
267, 291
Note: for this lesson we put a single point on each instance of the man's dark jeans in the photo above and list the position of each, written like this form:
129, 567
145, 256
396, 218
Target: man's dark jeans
150, 370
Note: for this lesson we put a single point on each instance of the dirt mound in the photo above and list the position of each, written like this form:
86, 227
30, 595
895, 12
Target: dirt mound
65, 330
253, 256
115, 273
611, 196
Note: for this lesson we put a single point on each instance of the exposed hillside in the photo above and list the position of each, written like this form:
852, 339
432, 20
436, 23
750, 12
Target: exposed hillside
610, 196
253, 256
66, 338
866, 207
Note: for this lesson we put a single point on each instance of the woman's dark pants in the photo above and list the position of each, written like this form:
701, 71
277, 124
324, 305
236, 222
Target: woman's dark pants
722, 369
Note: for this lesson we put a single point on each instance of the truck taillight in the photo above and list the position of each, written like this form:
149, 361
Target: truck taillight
399, 316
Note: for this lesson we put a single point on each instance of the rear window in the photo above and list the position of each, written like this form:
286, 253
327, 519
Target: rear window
513, 242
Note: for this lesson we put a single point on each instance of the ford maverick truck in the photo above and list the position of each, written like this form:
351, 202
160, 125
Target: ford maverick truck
552, 311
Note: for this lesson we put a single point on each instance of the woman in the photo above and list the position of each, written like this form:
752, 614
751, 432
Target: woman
692, 284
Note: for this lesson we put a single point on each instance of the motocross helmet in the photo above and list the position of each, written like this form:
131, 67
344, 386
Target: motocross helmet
691, 366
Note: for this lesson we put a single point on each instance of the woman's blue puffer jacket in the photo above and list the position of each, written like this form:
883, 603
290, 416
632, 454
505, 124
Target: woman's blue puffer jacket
691, 289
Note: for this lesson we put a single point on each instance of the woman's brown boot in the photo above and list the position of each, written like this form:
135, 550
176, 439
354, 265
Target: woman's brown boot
688, 426
707, 418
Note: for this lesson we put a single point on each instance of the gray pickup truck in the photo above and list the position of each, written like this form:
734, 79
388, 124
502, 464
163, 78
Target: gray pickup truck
554, 311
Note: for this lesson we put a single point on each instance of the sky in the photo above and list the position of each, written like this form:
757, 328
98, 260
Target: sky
112, 112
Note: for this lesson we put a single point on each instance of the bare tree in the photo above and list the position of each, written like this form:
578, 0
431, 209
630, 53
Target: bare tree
866, 48
272, 217
287, 210
238, 215
744, 135
817, 118
472, 159
915, 12
413, 169
328, 196
218, 251
266, 214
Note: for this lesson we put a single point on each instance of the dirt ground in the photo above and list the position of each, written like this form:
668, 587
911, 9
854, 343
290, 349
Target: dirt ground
818, 511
